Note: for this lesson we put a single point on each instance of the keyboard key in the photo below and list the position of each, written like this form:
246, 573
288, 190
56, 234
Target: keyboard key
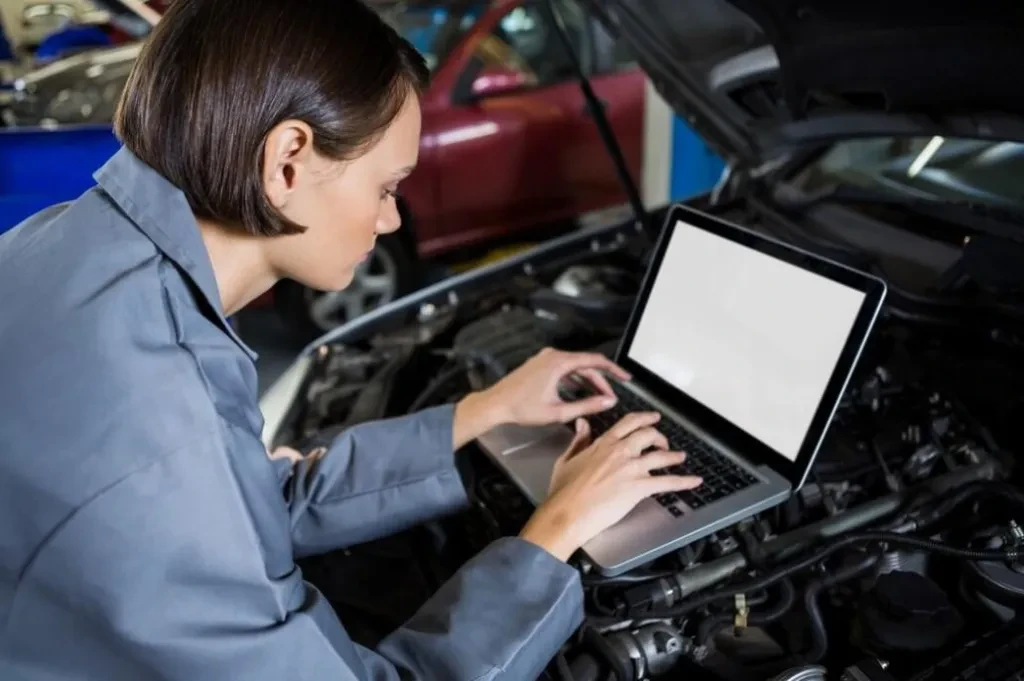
675, 511
666, 499
691, 500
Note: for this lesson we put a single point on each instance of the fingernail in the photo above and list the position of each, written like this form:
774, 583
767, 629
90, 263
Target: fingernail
580, 425
608, 401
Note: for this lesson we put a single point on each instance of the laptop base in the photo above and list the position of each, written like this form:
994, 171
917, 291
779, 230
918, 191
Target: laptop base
527, 455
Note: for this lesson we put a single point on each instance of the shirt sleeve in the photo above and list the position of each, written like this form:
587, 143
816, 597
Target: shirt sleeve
375, 479
162, 575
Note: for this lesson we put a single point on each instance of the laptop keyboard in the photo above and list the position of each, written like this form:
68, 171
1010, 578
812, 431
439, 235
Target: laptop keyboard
721, 476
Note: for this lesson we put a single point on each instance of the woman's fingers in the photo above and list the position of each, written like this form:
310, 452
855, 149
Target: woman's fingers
580, 439
577, 361
631, 422
660, 484
657, 460
598, 380
643, 439
568, 411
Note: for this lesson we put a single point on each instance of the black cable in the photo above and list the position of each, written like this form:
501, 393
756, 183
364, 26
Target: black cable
595, 597
628, 578
828, 549
949, 502
819, 635
712, 625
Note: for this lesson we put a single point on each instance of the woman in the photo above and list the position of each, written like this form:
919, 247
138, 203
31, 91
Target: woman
143, 529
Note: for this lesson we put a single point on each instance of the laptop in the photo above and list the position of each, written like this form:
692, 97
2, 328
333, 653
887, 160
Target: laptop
745, 345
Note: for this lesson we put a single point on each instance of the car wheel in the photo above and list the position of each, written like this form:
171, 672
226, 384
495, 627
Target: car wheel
389, 273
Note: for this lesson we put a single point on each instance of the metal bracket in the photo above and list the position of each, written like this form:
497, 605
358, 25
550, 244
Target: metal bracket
742, 612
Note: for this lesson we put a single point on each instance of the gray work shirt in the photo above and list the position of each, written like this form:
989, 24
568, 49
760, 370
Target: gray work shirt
144, 531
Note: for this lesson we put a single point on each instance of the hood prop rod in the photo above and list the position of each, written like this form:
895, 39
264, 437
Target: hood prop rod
611, 144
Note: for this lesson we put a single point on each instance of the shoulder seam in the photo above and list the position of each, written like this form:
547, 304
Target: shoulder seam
58, 526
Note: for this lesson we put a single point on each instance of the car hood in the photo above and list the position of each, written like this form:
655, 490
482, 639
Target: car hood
756, 77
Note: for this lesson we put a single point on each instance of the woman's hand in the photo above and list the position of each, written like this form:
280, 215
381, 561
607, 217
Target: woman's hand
529, 395
568, 465
597, 485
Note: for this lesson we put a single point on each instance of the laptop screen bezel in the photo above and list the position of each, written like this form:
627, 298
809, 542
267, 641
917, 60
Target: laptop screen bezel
716, 425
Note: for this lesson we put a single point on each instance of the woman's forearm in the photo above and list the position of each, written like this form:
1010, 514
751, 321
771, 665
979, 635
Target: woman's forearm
475, 414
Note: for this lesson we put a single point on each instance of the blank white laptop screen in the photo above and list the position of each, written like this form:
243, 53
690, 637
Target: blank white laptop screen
752, 338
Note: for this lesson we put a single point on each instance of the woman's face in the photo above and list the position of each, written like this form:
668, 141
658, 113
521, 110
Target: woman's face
344, 205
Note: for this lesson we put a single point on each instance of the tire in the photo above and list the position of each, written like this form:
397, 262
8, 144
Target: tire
391, 271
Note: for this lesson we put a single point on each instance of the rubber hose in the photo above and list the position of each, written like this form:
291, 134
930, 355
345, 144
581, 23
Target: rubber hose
827, 550
819, 635
585, 667
439, 381
712, 625
620, 669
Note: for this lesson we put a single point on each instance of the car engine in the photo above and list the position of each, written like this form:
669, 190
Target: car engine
897, 560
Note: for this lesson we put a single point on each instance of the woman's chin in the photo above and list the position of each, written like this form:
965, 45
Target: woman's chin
335, 281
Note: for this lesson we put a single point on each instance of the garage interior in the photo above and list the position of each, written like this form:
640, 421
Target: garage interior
850, 397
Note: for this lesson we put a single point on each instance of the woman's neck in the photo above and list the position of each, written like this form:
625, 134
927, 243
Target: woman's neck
240, 265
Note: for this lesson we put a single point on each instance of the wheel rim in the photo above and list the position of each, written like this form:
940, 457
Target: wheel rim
374, 283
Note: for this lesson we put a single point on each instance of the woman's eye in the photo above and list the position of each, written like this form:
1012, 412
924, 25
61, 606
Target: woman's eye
386, 193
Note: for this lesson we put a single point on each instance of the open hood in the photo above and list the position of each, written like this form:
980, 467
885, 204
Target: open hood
755, 77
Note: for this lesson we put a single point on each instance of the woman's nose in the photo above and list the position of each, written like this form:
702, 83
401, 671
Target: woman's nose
389, 219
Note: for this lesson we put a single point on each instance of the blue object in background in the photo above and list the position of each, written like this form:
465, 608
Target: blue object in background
70, 39
6, 53
421, 27
39, 168
695, 167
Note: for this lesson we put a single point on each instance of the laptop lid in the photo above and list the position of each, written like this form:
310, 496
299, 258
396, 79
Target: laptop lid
752, 339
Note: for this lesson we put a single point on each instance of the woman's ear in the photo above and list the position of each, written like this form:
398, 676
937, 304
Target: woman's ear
287, 152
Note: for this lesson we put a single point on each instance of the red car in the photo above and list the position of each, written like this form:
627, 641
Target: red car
508, 143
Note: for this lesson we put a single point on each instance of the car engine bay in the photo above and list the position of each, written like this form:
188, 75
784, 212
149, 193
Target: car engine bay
897, 560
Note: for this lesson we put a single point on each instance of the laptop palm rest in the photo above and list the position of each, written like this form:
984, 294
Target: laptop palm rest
528, 454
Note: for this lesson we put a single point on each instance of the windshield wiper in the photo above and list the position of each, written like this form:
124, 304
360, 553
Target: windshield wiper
983, 218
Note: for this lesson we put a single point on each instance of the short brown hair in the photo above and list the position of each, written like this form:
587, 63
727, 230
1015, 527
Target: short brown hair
215, 76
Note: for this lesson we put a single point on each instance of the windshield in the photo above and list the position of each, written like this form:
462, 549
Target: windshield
929, 168
433, 28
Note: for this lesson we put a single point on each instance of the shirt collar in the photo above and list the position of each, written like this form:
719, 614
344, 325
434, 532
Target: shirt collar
160, 210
